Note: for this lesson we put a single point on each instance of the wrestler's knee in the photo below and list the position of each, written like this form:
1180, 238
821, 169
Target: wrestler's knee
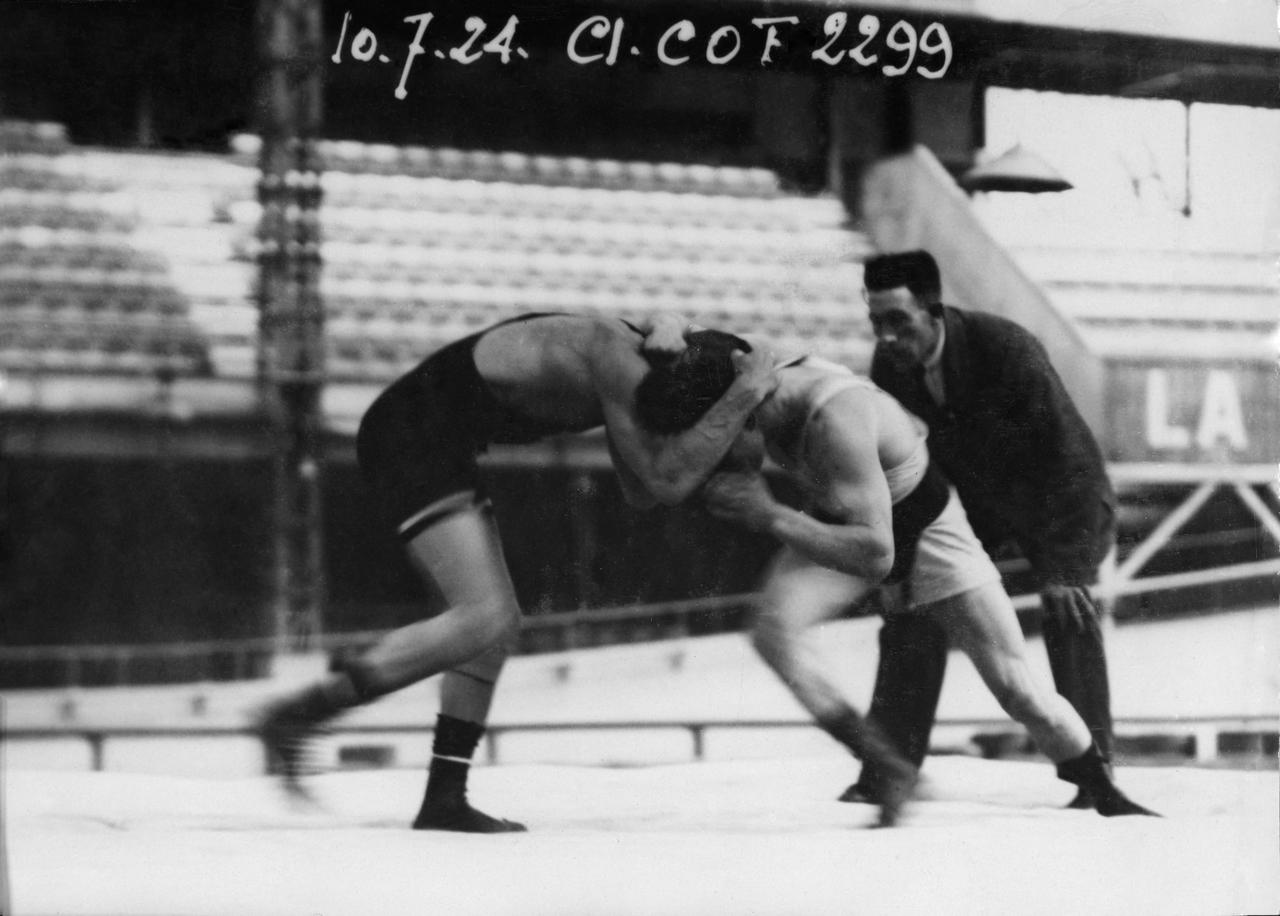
488, 664
492, 625
771, 637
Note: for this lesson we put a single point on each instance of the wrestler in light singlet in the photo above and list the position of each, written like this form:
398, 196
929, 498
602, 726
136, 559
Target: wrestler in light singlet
855, 453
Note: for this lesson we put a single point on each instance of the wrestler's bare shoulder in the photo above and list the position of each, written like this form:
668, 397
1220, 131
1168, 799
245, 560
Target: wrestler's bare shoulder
843, 404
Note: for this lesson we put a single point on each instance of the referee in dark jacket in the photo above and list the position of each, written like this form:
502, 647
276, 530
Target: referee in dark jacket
1028, 471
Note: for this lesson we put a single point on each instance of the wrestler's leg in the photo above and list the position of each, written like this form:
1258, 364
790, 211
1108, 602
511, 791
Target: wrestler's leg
983, 624
462, 555
799, 595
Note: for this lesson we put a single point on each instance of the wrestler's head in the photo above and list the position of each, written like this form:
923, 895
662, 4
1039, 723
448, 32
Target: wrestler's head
679, 388
904, 296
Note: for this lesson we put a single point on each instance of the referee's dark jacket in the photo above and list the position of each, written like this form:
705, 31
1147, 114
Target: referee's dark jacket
1024, 462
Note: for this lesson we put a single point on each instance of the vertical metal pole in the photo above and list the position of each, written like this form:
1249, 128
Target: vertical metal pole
291, 314
1186, 158
582, 487
5, 901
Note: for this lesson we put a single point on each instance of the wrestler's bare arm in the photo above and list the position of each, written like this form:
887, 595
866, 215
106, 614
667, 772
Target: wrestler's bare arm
670, 468
841, 449
633, 488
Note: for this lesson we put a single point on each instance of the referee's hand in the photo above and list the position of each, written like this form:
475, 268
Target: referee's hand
1070, 603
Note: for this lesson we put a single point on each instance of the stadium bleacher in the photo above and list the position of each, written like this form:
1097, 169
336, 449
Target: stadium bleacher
457, 240
79, 293
130, 262
1184, 302
1142, 281
126, 262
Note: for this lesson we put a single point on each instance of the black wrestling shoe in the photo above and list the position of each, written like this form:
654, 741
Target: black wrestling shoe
287, 729
895, 777
890, 785
1091, 774
460, 817
1084, 801
1114, 803
857, 794
893, 789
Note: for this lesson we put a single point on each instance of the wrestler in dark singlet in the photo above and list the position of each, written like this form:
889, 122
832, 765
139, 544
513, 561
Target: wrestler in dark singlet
516, 382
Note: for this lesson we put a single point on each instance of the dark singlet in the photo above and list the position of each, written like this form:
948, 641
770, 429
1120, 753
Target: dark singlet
419, 440
912, 515
451, 373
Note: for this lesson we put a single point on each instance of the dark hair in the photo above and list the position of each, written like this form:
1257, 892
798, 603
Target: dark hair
916, 270
678, 390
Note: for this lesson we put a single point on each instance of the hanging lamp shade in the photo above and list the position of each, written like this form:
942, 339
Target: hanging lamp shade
1016, 169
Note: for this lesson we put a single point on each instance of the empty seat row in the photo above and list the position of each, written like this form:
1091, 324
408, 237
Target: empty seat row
485, 165
612, 298
1163, 268
191, 172
32, 136
20, 209
418, 197
597, 239
115, 207
25, 344
441, 320
147, 325
768, 286
106, 259
835, 269
108, 203
95, 360
343, 191
835, 262
767, 278
47, 271
1181, 343
35, 173
645, 214
676, 243
50, 299
1258, 310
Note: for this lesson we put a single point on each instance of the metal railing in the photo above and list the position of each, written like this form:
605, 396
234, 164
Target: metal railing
241, 659
238, 659
1205, 731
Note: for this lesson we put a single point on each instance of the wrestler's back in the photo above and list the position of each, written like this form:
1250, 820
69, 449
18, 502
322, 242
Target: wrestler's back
542, 368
